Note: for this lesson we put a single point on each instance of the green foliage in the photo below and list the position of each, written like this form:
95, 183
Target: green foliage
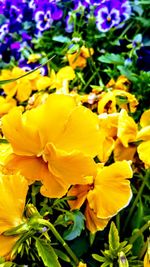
118, 253
47, 253
112, 59
76, 221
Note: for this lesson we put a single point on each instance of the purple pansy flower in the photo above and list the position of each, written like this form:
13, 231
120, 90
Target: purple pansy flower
143, 61
110, 13
31, 66
3, 31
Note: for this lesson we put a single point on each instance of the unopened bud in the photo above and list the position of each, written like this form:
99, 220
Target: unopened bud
122, 260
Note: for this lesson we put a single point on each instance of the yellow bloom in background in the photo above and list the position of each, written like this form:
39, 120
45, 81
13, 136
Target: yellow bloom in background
6, 104
110, 101
124, 153
147, 255
33, 58
108, 129
81, 264
79, 59
127, 128
145, 118
143, 136
122, 83
21, 85
109, 193
60, 81
13, 191
5, 151
36, 100
55, 143
22, 88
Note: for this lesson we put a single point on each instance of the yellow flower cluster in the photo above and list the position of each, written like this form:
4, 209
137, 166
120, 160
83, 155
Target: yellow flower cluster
64, 145
21, 89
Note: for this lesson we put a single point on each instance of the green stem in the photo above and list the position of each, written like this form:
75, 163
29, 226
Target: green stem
89, 81
60, 239
136, 199
138, 233
118, 221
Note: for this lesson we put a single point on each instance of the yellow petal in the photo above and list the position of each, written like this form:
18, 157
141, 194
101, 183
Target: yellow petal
81, 132
131, 100
147, 260
30, 167
34, 168
24, 90
23, 137
144, 152
43, 82
53, 186
50, 118
13, 191
123, 153
127, 128
111, 191
86, 52
6, 105
80, 192
107, 103
73, 168
81, 264
76, 60
5, 151
93, 223
145, 118
6, 245
144, 133
66, 73
109, 123
105, 149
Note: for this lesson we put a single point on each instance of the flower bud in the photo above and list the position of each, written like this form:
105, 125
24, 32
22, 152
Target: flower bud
122, 260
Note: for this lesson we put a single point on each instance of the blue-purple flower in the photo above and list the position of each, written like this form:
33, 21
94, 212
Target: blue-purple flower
143, 61
111, 13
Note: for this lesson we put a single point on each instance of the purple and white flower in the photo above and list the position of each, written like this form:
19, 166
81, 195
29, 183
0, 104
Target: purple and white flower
110, 13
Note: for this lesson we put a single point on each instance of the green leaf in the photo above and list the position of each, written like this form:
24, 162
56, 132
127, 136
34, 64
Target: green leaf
77, 225
61, 39
3, 141
98, 258
47, 253
128, 73
62, 255
111, 59
113, 237
7, 264
74, 48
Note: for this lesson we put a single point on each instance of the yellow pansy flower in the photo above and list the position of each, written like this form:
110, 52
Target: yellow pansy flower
143, 135
145, 118
6, 104
113, 98
60, 80
13, 191
81, 264
109, 193
53, 143
79, 59
108, 129
147, 255
127, 128
122, 83
22, 88
33, 58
